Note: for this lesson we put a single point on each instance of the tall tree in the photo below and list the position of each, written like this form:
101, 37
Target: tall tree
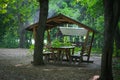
38, 50
23, 7
15, 15
111, 14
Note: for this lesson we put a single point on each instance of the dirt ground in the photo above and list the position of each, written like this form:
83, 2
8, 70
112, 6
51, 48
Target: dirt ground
15, 64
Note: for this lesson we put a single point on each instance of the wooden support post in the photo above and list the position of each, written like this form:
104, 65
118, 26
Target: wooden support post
86, 39
48, 37
84, 45
34, 33
89, 51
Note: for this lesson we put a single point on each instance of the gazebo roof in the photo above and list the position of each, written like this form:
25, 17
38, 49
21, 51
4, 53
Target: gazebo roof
73, 31
58, 20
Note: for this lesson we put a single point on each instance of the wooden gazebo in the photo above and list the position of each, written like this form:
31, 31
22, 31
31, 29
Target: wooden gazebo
62, 19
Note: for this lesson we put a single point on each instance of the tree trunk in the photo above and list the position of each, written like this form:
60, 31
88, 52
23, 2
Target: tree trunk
22, 37
111, 21
21, 32
38, 50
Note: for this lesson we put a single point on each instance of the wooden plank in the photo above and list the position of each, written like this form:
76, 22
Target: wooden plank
34, 33
84, 46
48, 37
90, 46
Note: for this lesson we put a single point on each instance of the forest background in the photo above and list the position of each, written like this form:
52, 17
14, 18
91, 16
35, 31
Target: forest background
16, 15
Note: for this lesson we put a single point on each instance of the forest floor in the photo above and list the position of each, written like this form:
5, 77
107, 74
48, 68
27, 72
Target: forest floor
15, 64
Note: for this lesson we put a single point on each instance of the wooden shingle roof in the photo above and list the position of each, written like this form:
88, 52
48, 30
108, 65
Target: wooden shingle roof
58, 20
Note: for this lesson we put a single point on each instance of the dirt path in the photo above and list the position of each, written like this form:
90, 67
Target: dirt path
15, 64
15, 56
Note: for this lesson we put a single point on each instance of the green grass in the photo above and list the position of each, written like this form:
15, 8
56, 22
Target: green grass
96, 50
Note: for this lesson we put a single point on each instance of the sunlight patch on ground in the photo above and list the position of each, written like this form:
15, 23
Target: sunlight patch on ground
52, 69
18, 65
95, 77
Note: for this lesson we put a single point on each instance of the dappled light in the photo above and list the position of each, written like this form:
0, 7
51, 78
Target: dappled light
95, 77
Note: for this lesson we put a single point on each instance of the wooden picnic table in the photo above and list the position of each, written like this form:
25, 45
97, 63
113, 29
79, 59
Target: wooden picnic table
63, 52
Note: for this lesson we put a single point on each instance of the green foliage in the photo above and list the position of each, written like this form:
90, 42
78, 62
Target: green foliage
66, 41
116, 51
94, 7
9, 40
3, 6
18, 15
24, 11
77, 49
96, 50
100, 23
31, 49
56, 43
67, 8
116, 62
116, 68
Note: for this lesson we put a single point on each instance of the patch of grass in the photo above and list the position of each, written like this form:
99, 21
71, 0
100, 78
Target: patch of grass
96, 50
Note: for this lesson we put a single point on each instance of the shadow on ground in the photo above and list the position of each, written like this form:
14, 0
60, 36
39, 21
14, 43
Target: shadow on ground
15, 64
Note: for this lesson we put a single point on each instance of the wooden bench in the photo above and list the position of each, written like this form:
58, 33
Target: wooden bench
47, 55
78, 57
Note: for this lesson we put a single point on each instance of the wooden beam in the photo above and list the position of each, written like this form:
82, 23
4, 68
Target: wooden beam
48, 37
90, 46
34, 32
84, 45
86, 39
